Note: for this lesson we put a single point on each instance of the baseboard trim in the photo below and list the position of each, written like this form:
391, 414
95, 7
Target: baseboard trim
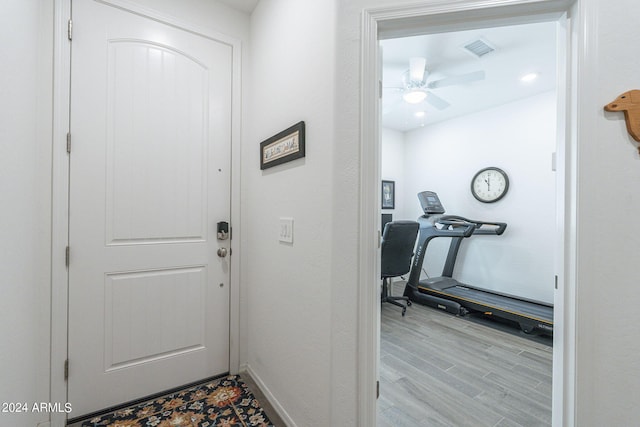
245, 369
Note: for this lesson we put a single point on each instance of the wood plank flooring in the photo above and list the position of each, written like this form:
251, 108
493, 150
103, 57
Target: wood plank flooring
437, 369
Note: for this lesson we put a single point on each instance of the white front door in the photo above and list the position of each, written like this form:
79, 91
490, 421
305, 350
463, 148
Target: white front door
149, 180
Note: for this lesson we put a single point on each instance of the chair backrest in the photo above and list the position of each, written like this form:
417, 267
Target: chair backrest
398, 242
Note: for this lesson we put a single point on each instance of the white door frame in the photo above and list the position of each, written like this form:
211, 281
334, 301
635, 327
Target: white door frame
397, 21
60, 190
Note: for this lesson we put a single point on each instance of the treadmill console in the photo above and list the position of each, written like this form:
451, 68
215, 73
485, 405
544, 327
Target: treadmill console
430, 203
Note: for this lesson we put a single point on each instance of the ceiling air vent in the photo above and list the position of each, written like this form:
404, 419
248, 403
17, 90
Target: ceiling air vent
478, 48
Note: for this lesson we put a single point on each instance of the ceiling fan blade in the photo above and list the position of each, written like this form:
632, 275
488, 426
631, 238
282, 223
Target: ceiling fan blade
457, 80
436, 101
416, 68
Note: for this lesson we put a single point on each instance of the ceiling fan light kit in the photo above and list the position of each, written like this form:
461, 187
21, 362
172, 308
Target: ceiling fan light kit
414, 96
416, 87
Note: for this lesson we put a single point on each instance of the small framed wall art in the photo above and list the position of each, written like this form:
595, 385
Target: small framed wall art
281, 148
388, 194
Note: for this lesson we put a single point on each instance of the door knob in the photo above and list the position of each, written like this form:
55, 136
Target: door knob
222, 252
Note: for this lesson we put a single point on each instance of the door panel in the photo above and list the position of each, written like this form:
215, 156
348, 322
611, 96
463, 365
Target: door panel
155, 105
149, 180
151, 315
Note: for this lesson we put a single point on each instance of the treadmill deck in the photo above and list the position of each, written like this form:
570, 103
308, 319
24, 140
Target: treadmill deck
492, 301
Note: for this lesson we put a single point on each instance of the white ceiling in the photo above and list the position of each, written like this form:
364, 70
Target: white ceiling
245, 6
519, 50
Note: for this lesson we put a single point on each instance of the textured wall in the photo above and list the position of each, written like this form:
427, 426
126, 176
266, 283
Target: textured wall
518, 137
25, 191
288, 287
608, 367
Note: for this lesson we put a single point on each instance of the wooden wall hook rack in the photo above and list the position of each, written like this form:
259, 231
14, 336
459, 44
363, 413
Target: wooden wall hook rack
629, 102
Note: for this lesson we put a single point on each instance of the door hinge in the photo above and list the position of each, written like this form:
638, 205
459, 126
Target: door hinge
66, 256
70, 29
69, 142
556, 284
377, 389
66, 369
380, 89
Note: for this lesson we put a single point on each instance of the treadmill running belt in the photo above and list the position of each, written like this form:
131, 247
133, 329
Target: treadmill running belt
498, 302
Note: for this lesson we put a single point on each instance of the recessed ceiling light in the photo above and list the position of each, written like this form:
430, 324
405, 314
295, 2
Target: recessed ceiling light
419, 113
529, 77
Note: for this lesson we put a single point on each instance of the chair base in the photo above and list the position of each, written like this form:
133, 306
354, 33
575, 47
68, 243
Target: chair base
391, 299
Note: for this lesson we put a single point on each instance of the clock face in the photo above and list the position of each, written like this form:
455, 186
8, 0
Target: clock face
489, 185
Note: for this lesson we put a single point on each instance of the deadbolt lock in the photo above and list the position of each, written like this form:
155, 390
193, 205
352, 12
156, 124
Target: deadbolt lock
223, 230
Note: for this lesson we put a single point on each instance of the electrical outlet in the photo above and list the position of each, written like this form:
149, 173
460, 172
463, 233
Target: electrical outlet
286, 230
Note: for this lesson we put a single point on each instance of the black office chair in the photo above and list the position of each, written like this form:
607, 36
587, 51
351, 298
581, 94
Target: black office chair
398, 242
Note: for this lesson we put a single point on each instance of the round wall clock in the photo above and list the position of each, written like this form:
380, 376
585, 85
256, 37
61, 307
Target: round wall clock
489, 185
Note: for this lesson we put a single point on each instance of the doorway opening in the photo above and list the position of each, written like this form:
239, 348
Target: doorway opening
413, 178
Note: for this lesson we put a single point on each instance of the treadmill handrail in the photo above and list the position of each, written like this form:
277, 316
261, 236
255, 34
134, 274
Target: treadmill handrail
499, 227
455, 222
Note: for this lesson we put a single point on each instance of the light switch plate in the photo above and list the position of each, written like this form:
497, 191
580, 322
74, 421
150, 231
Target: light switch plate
286, 230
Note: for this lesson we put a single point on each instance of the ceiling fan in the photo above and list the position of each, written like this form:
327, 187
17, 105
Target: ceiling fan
416, 87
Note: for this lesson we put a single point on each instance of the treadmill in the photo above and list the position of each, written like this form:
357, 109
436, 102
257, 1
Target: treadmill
446, 293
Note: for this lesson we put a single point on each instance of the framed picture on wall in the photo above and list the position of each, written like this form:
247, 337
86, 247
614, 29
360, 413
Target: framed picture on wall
281, 148
388, 194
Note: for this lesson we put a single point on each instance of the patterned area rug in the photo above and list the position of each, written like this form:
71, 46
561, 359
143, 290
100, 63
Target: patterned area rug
223, 402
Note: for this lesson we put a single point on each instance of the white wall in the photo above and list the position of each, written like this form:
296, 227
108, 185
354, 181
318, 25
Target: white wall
206, 14
519, 138
393, 169
25, 177
607, 362
288, 286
